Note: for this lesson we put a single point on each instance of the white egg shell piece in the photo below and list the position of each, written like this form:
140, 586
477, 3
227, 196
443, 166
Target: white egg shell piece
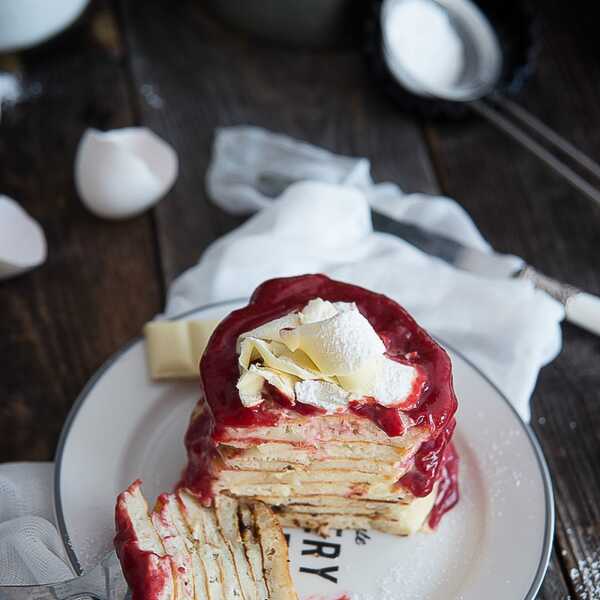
340, 345
123, 172
22, 240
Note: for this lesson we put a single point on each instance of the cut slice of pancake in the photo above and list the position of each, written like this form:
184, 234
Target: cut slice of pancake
140, 549
274, 553
226, 510
183, 550
252, 548
170, 526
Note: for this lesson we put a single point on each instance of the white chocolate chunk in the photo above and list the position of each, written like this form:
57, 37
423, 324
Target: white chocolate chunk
322, 394
340, 345
174, 348
169, 349
200, 331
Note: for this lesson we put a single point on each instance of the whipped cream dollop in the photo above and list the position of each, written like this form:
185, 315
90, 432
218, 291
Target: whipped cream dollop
326, 355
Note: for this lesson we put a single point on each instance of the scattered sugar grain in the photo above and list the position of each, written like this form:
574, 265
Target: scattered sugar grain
439, 563
151, 96
586, 577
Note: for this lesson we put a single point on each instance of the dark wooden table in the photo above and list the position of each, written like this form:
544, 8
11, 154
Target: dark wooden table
171, 67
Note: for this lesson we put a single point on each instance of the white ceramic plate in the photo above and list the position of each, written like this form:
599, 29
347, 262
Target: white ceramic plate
495, 544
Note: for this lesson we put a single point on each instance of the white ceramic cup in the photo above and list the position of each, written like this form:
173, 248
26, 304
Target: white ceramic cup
25, 23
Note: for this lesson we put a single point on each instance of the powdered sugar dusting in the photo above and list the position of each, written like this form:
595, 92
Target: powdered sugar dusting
393, 381
342, 344
586, 577
322, 394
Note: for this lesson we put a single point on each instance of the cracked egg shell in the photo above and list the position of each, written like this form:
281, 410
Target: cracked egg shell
123, 172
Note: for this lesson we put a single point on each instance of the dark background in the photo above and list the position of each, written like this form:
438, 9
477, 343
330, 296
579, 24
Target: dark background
170, 66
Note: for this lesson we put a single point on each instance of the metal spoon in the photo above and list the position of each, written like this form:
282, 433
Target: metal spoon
477, 86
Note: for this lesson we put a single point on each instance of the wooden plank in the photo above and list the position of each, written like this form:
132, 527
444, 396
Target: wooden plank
525, 209
554, 586
193, 75
100, 283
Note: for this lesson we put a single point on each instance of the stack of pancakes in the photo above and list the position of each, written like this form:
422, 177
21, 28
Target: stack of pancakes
328, 403
183, 550
322, 472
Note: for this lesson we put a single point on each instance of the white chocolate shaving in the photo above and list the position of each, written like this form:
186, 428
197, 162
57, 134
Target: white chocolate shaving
249, 386
317, 310
270, 331
322, 394
251, 383
325, 356
277, 356
393, 383
340, 345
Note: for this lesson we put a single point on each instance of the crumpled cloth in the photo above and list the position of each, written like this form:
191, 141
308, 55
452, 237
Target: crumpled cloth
31, 550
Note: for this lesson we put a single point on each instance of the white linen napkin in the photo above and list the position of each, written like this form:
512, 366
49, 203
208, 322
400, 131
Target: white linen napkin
505, 327
31, 550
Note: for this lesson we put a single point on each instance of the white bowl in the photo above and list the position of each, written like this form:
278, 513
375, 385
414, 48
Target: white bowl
25, 23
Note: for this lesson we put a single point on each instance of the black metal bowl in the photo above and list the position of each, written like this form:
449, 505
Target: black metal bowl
518, 33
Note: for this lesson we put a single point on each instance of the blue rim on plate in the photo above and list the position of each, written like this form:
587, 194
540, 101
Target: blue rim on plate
543, 467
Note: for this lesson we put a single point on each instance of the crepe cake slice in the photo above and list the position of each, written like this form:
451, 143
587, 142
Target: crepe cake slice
145, 562
318, 387
183, 550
